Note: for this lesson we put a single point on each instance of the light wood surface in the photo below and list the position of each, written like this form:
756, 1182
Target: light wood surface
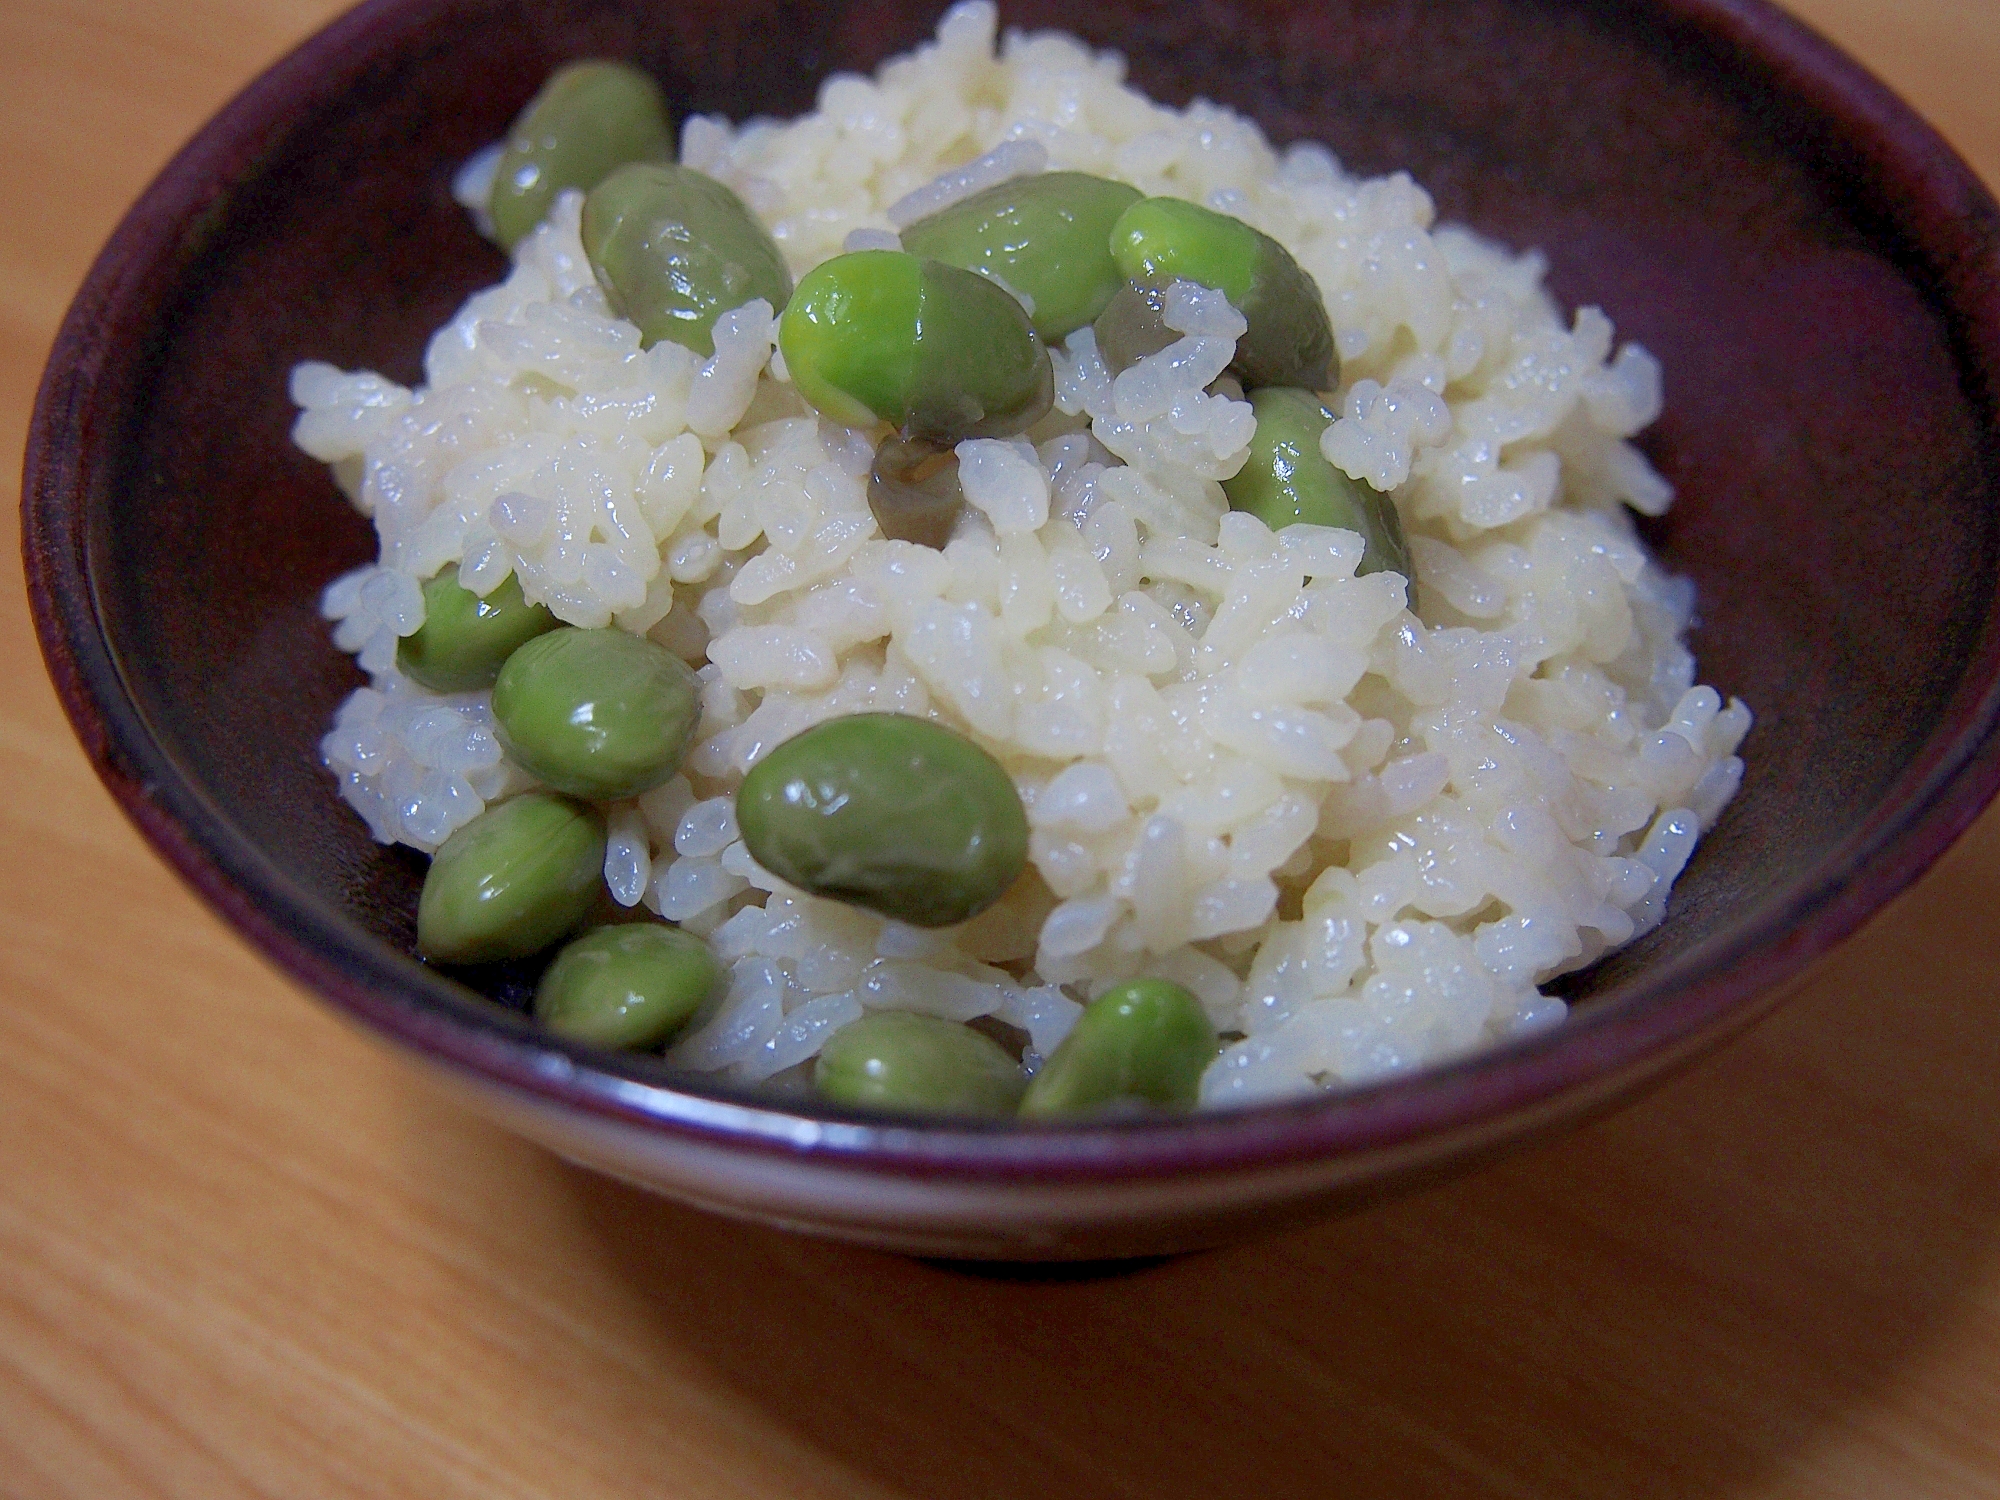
245, 1253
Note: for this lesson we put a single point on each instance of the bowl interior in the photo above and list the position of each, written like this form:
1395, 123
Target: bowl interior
1828, 424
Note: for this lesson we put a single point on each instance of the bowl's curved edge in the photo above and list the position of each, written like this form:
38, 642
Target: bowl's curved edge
1522, 1088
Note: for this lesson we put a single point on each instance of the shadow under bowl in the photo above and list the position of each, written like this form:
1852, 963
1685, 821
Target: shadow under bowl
1817, 271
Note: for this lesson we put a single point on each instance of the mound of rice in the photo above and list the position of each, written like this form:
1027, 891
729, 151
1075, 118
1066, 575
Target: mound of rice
1362, 836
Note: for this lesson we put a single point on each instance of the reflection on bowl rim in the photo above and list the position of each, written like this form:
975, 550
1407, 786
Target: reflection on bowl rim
1660, 1017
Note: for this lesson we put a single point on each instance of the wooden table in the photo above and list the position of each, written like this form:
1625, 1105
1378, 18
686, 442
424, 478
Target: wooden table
244, 1252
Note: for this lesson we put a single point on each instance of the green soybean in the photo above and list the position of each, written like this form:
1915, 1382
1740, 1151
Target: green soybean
588, 118
633, 985
932, 350
1286, 479
1146, 1042
675, 249
1133, 325
597, 713
897, 1060
512, 881
464, 638
896, 814
1289, 341
914, 492
1048, 236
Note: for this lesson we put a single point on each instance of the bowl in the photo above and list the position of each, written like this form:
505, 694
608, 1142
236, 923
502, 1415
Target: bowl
1818, 272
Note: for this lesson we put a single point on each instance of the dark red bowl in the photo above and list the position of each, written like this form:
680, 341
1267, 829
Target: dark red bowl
1817, 270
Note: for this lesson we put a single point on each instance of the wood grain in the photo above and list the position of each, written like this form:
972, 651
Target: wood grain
245, 1253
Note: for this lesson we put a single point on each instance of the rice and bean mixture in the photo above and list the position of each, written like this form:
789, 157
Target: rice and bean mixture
1361, 836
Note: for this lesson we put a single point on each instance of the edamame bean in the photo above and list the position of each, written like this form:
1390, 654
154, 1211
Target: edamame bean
1133, 325
675, 249
934, 351
588, 118
1286, 479
597, 713
1048, 236
1144, 1042
512, 881
1289, 341
464, 638
633, 985
898, 1060
913, 490
896, 814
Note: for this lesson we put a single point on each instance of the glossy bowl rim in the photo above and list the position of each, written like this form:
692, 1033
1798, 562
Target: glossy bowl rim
1662, 1017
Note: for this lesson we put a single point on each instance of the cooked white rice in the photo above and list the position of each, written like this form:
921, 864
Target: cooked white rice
1363, 837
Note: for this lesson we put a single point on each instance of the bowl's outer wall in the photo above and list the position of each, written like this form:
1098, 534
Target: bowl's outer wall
1829, 419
